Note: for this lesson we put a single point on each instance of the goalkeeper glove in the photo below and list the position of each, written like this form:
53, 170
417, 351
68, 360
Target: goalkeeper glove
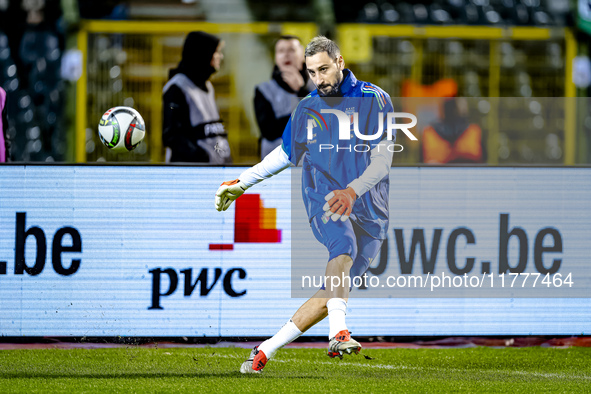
228, 192
339, 204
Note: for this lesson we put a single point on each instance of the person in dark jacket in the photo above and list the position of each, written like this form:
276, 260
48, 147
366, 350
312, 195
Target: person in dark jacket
274, 100
192, 130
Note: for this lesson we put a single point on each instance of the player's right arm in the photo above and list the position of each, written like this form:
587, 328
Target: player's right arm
278, 160
272, 164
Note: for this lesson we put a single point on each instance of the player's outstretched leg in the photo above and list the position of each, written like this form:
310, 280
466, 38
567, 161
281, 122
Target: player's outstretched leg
313, 311
261, 354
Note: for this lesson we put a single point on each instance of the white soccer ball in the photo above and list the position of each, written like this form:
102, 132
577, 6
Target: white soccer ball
121, 129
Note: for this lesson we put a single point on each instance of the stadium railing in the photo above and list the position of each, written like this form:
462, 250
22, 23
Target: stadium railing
127, 63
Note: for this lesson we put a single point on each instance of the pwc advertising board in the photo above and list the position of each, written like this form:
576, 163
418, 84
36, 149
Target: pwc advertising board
141, 251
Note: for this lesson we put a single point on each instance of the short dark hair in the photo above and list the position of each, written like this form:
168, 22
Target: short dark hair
321, 44
287, 37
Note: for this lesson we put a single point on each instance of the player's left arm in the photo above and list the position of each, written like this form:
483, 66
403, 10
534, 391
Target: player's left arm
339, 203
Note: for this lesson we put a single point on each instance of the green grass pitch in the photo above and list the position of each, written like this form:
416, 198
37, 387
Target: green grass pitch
140, 369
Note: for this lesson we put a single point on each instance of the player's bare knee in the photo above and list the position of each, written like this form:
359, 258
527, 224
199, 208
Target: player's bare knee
341, 263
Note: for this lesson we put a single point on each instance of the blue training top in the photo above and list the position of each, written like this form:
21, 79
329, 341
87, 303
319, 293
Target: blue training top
330, 163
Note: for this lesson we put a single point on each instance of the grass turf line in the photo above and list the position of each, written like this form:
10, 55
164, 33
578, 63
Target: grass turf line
136, 369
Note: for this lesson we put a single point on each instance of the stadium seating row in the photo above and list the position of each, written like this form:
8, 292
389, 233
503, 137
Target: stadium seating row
467, 12
36, 94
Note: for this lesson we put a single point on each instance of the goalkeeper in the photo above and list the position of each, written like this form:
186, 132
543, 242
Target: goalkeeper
345, 191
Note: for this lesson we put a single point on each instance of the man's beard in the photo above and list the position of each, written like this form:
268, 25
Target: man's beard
333, 90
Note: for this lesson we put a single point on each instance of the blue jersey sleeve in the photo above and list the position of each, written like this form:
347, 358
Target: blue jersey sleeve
294, 143
286, 145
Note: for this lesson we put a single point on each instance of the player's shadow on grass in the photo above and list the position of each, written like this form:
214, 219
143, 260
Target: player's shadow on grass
98, 375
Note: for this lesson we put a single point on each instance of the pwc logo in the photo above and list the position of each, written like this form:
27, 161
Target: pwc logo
253, 223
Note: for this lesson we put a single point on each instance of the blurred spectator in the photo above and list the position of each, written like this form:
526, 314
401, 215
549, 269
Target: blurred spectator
192, 129
3, 127
453, 139
275, 100
448, 136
